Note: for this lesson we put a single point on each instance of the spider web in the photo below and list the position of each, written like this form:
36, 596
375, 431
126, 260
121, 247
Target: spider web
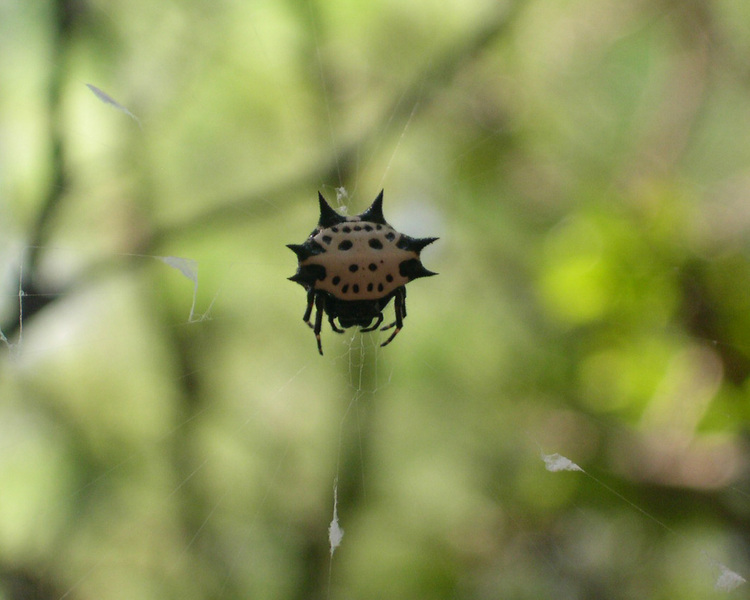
239, 511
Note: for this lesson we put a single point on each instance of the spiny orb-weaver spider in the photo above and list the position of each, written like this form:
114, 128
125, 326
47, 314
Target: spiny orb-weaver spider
351, 267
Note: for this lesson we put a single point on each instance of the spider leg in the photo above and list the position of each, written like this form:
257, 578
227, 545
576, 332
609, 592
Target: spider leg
403, 311
400, 310
378, 321
308, 310
320, 301
333, 325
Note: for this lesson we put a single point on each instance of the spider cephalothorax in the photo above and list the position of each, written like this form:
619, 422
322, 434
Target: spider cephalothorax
351, 267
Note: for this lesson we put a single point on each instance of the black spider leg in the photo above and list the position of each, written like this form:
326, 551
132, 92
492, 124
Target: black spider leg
378, 321
308, 310
400, 310
320, 301
333, 325
403, 310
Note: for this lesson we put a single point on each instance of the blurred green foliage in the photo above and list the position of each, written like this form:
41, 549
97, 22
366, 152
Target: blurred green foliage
585, 164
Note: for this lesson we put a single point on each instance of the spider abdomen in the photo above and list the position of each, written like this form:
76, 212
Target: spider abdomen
362, 264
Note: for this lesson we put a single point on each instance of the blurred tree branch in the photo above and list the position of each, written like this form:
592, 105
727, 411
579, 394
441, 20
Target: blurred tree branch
64, 16
423, 90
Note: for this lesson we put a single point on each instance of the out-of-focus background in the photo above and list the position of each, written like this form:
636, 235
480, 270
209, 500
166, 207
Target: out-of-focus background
167, 428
